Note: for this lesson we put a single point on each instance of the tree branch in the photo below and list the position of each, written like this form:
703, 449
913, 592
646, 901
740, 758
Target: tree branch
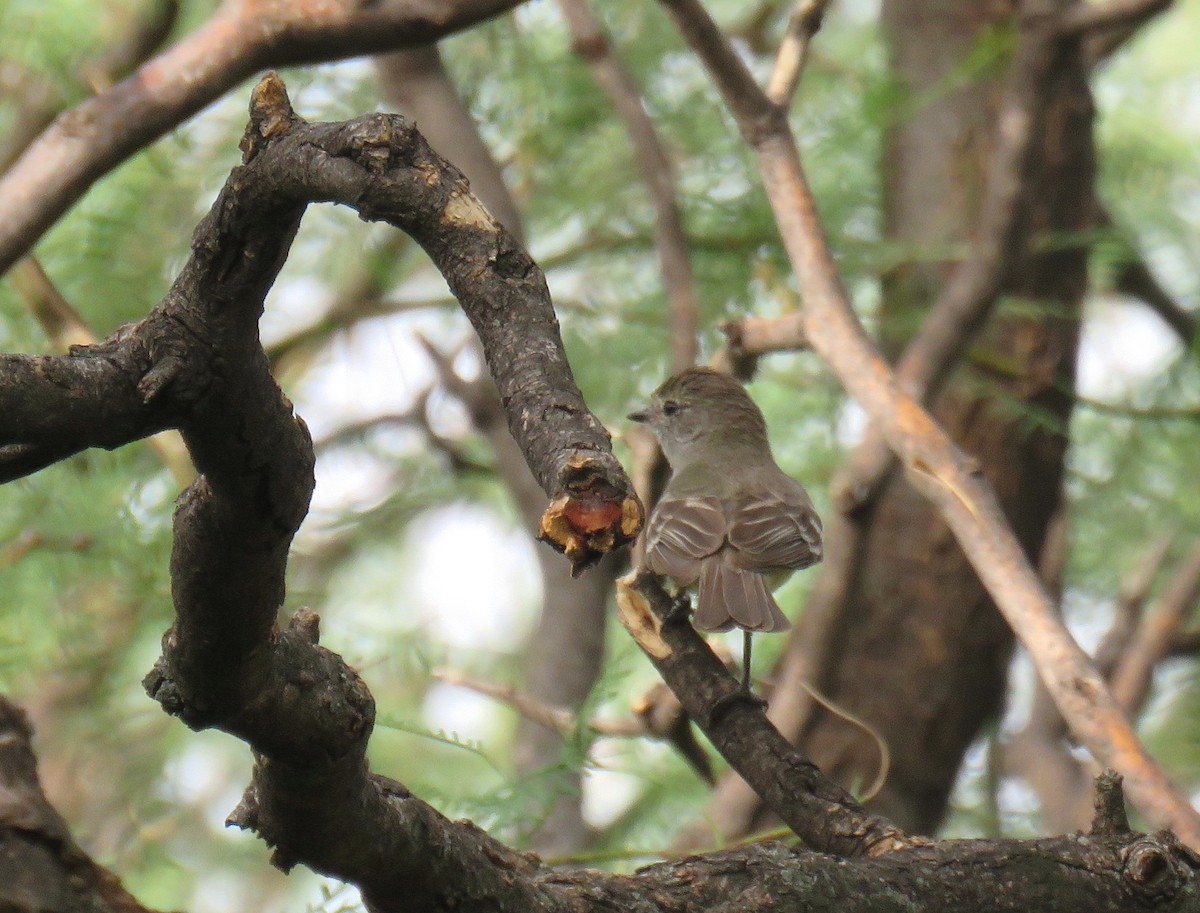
939, 469
196, 361
1135, 279
1157, 630
381, 166
823, 814
65, 327
41, 101
1110, 14
241, 38
803, 24
41, 867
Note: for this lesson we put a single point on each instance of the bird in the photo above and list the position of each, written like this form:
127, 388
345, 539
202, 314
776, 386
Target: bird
729, 519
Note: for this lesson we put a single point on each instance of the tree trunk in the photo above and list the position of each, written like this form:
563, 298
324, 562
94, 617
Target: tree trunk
920, 651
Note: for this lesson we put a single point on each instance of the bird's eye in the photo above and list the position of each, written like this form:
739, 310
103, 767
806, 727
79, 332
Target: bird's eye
670, 407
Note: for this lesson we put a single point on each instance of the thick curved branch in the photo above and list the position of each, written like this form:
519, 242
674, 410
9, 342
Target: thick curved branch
427, 862
940, 470
95, 136
381, 166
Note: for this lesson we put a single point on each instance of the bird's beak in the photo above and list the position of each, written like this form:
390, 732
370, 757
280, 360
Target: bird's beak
642, 415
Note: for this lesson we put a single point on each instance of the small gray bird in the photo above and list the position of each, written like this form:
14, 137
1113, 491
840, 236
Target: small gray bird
729, 518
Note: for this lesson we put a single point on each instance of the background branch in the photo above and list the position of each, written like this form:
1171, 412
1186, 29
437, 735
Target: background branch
240, 39
592, 43
934, 464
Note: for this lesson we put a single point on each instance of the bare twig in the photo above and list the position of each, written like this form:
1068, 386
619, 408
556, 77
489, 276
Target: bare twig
149, 32
560, 719
1105, 27
41, 101
62, 324
803, 24
938, 468
1151, 641
1130, 605
1135, 279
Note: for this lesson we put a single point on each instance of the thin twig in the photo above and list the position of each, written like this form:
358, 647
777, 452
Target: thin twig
1131, 603
1158, 627
1135, 279
61, 323
41, 100
803, 24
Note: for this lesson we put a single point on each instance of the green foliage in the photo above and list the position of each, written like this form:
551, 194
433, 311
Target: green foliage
82, 608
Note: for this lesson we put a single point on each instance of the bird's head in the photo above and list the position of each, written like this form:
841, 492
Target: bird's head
700, 407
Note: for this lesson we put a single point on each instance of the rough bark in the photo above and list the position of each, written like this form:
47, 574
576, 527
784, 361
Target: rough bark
415, 83
439, 865
563, 656
42, 869
381, 166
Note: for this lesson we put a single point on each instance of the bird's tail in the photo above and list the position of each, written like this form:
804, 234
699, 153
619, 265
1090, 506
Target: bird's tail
730, 596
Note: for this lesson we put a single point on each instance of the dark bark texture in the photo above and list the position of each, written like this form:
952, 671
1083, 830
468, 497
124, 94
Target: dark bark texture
920, 650
563, 655
424, 862
42, 869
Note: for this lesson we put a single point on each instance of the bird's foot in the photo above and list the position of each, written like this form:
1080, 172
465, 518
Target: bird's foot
727, 702
681, 609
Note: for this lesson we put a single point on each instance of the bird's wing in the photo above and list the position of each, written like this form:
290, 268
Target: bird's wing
775, 527
683, 531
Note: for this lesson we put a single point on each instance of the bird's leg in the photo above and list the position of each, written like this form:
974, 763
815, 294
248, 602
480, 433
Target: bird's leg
681, 607
747, 639
744, 694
